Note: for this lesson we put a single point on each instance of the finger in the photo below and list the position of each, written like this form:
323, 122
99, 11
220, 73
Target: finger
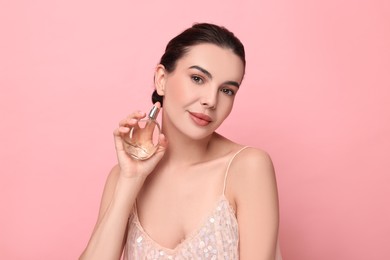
162, 147
123, 129
151, 131
131, 124
132, 118
152, 123
118, 140
162, 144
158, 105
163, 141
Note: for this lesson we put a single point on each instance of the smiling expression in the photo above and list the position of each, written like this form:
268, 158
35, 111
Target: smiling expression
199, 94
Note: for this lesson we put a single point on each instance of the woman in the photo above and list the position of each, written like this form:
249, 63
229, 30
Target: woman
200, 196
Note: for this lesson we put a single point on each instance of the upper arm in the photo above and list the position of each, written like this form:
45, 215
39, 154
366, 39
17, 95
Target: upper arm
255, 194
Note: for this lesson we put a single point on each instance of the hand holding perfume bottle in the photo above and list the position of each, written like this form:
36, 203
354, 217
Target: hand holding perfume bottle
142, 141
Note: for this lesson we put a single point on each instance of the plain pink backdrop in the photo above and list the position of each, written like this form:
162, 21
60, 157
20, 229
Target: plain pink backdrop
316, 96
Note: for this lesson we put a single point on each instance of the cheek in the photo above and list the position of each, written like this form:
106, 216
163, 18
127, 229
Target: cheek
225, 109
178, 91
229, 107
227, 103
227, 112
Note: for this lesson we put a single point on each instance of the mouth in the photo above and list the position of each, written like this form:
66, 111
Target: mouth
200, 119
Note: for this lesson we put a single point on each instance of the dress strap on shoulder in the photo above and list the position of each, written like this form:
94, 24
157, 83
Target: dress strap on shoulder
228, 167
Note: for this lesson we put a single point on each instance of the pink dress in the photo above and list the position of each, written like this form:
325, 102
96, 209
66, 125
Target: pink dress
216, 238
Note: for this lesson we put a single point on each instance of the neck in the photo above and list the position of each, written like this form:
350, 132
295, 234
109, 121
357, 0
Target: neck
185, 151
188, 151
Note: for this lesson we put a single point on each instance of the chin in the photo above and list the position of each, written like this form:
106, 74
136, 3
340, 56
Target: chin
201, 135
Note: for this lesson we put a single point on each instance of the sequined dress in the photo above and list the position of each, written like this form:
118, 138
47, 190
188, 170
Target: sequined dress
215, 239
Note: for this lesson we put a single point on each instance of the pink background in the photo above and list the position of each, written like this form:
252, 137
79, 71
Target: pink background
316, 96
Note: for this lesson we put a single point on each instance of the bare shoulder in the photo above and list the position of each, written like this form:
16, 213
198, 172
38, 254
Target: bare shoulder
252, 161
252, 174
253, 192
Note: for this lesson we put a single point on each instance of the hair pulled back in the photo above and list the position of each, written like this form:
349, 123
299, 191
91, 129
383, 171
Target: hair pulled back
197, 34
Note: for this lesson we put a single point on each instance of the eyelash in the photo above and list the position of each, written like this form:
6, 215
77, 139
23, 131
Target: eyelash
197, 79
228, 91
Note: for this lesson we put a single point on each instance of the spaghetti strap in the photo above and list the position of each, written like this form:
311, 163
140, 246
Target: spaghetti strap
228, 167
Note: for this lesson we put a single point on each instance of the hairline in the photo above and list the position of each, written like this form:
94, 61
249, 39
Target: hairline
187, 49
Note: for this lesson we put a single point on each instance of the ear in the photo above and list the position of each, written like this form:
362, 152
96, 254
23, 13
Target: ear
159, 79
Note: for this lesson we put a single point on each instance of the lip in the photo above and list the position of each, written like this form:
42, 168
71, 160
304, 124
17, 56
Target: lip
200, 118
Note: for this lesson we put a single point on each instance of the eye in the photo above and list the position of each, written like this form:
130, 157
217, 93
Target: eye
228, 91
197, 79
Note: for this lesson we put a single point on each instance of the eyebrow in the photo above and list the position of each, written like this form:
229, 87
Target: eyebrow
208, 74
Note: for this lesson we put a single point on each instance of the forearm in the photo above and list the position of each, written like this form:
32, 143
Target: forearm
107, 239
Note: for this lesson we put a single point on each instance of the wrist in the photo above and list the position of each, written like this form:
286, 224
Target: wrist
131, 177
127, 189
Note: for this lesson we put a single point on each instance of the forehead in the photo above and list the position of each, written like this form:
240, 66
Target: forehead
219, 61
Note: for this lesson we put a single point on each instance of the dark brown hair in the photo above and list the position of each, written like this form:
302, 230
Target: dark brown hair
197, 34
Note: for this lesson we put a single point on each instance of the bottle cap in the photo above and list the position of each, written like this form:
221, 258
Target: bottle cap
154, 112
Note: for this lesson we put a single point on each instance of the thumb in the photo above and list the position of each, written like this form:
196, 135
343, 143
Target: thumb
162, 147
163, 141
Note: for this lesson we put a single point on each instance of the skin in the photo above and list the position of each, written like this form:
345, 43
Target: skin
178, 182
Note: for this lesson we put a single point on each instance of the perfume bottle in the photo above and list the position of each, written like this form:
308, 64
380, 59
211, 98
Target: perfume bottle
143, 138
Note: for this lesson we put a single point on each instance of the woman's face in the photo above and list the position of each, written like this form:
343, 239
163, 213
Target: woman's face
199, 94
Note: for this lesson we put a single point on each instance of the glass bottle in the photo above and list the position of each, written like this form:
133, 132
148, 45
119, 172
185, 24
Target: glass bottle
143, 138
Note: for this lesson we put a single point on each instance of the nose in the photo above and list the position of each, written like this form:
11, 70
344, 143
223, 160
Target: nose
209, 99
